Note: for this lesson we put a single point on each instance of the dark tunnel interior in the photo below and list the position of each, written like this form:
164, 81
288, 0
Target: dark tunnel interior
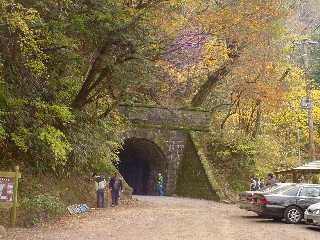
140, 162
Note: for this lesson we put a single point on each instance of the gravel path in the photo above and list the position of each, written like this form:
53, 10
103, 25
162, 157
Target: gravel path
155, 218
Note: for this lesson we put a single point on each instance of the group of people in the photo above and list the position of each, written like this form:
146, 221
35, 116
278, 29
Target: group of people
257, 184
115, 186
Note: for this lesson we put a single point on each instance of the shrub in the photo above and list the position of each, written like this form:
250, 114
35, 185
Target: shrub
42, 208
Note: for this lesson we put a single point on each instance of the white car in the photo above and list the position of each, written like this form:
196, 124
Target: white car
312, 214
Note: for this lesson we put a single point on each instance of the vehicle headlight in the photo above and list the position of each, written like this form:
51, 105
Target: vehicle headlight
317, 212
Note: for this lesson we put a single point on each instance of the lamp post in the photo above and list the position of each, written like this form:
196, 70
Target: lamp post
308, 99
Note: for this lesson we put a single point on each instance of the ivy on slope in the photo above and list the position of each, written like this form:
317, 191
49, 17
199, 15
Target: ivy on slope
215, 179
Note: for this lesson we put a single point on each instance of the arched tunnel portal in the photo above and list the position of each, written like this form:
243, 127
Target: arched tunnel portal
140, 162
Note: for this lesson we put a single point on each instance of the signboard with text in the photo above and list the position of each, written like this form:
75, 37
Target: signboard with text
6, 189
9, 192
306, 103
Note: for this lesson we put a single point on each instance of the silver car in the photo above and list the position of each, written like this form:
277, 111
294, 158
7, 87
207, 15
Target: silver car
312, 214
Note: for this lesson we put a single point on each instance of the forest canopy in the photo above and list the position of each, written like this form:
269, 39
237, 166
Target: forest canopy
65, 66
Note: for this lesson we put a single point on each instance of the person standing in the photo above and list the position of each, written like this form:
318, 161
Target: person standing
261, 183
257, 185
160, 184
115, 186
253, 183
100, 184
271, 180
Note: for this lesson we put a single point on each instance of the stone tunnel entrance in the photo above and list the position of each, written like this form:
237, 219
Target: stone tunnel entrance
140, 162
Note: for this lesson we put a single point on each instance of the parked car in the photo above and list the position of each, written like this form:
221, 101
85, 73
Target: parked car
312, 214
246, 199
289, 203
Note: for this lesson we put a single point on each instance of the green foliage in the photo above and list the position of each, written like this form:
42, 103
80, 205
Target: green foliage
271, 156
96, 144
3, 133
42, 208
234, 157
233, 146
55, 140
35, 129
24, 25
65, 65
57, 103
20, 139
54, 113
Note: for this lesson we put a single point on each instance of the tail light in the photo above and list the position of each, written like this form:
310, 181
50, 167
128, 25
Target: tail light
263, 200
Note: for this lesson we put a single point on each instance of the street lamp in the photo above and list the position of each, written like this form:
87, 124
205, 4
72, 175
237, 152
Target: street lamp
306, 102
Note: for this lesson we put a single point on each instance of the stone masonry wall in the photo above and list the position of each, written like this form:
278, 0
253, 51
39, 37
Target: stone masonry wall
167, 118
169, 130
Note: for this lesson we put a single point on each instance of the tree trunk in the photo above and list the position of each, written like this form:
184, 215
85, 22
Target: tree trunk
257, 129
91, 78
207, 87
215, 77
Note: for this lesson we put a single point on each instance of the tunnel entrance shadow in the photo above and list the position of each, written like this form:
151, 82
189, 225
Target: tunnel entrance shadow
140, 162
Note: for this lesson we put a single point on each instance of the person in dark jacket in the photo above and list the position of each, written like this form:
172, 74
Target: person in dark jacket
271, 180
261, 185
115, 185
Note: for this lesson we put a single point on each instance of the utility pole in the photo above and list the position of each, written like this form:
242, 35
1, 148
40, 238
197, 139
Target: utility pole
306, 54
299, 150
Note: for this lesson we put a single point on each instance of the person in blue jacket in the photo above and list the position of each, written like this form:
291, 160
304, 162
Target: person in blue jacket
160, 184
115, 185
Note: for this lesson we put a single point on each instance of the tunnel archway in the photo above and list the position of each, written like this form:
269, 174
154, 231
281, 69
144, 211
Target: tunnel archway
140, 162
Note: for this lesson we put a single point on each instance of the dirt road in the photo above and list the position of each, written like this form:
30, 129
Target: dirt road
155, 218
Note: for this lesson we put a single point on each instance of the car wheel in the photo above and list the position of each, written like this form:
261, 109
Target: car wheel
293, 215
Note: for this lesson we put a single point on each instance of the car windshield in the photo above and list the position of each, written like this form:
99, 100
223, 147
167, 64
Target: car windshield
282, 189
277, 188
265, 189
269, 188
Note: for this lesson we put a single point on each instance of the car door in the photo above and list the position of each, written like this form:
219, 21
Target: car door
288, 196
308, 196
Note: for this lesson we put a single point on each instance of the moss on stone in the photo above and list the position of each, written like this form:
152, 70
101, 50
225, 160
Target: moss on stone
192, 178
141, 124
212, 174
152, 106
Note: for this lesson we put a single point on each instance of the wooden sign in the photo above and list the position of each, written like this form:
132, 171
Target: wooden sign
9, 192
6, 189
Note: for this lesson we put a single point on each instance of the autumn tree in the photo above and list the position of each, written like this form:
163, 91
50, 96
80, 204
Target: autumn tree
65, 65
